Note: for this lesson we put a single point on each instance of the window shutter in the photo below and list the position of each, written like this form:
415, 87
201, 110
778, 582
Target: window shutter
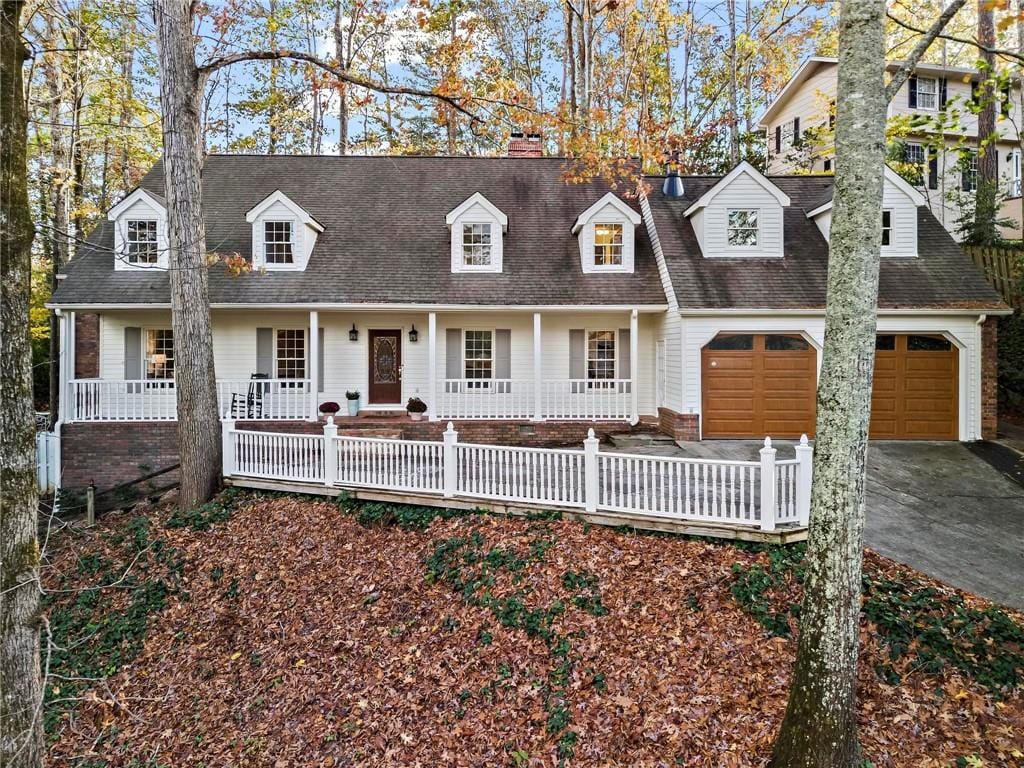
778, 139
942, 93
503, 353
912, 92
453, 354
265, 352
625, 364
577, 354
320, 360
796, 129
132, 354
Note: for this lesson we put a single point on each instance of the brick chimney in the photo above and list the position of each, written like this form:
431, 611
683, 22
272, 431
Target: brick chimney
528, 145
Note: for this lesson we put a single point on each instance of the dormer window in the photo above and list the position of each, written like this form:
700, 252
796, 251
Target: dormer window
277, 242
886, 228
742, 228
476, 244
607, 244
140, 241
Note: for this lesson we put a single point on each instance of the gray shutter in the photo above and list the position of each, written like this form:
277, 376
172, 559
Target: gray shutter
265, 351
453, 354
577, 353
912, 92
320, 360
625, 363
132, 354
503, 353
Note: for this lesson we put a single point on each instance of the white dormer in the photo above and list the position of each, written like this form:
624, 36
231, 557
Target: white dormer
740, 216
477, 228
283, 233
606, 235
900, 202
140, 232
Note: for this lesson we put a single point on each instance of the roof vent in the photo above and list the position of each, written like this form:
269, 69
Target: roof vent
673, 185
529, 145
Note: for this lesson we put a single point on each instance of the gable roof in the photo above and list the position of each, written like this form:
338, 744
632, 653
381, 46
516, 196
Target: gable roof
802, 74
477, 199
277, 196
133, 197
744, 168
609, 199
918, 199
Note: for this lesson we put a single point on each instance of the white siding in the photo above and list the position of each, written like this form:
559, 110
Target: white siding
809, 102
607, 214
669, 329
141, 209
476, 214
303, 237
742, 193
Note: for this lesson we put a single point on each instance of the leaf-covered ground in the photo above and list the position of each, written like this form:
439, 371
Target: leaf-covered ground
282, 631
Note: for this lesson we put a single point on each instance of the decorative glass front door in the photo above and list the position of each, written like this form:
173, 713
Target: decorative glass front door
385, 367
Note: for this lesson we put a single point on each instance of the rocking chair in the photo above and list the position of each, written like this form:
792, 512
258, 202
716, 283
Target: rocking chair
250, 405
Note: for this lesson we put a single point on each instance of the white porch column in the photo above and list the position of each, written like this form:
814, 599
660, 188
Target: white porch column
432, 366
634, 363
538, 373
314, 364
66, 365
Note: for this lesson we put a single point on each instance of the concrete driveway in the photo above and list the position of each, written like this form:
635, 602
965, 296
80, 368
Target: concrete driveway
934, 506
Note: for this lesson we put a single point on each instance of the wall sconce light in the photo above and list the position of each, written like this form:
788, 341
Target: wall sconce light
353, 335
414, 335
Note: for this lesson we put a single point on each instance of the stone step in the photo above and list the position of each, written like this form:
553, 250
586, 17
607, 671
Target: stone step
639, 439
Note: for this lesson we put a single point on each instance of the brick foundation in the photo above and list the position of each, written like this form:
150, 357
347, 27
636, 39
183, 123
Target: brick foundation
681, 426
989, 379
109, 453
87, 346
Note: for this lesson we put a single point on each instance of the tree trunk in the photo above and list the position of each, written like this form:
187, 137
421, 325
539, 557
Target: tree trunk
734, 130
21, 725
820, 726
339, 48
986, 190
181, 88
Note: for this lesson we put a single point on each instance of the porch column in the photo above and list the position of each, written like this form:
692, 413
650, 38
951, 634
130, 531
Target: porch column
432, 366
66, 365
538, 373
314, 364
634, 363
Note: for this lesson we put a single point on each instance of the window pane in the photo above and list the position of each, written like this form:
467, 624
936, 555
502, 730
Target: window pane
291, 354
607, 244
479, 356
140, 241
732, 342
785, 344
927, 344
742, 227
886, 227
476, 244
159, 353
601, 355
885, 343
277, 242
927, 92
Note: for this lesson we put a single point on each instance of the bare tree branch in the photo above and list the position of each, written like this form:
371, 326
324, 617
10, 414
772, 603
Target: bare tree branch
1015, 55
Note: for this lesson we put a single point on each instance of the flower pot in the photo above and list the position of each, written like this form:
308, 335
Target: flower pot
415, 416
353, 407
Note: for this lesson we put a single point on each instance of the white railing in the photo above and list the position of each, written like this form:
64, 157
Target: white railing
47, 462
485, 399
574, 399
263, 399
156, 399
754, 494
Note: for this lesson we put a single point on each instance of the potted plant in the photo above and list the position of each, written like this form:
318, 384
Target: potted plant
329, 409
353, 402
416, 408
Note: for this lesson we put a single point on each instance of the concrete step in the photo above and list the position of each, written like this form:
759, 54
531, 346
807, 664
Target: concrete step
639, 439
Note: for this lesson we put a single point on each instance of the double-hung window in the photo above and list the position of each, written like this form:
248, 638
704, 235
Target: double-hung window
476, 244
742, 228
479, 359
913, 155
291, 354
607, 245
159, 353
141, 241
1013, 183
927, 93
969, 171
277, 242
600, 359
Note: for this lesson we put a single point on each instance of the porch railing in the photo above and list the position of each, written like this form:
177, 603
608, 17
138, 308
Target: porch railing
759, 494
486, 399
560, 399
598, 400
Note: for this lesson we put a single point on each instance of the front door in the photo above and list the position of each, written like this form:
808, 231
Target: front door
385, 367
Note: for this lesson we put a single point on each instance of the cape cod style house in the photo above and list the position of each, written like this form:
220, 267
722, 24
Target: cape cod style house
521, 307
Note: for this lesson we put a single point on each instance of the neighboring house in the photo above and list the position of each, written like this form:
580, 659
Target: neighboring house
799, 122
524, 308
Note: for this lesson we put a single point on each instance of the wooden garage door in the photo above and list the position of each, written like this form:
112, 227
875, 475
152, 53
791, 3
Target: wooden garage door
758, 384
916, 395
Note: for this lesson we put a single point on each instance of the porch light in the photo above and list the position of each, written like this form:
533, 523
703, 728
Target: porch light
353, 335
414, 335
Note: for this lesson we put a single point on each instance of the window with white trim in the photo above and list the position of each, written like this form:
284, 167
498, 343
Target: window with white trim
742, 228
291, 353
600, 359
277, 242
140, 241
927, 93
886, 228
478, 361
786, 135
1013, 187
476, 244
607, 244
159, 353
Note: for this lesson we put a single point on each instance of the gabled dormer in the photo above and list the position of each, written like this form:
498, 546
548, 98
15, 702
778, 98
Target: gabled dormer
900, 201
606, 234
477, 229
140, 231
283, 233
740, 216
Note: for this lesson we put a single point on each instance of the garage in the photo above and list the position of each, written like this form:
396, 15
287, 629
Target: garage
758, 384
764, 384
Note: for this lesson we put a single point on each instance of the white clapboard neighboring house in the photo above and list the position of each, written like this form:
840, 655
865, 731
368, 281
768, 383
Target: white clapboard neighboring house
519, 306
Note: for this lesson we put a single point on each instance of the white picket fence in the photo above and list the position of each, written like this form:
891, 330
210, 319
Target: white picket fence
760, 494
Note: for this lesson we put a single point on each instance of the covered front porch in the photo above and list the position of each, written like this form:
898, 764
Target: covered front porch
556, 364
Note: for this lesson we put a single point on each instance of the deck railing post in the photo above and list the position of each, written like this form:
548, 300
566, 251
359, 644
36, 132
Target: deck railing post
227, 427
590, 469
768, 486
449, 457
330, 452
805, 455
